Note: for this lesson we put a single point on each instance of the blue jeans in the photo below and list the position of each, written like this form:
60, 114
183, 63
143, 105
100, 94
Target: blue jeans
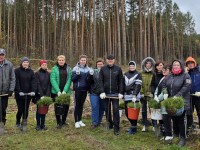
97, 105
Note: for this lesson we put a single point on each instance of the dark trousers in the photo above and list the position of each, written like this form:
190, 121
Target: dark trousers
195, 103
179, 125
40, 119
144, 110
23, 108
4, 105
79, 101
133, 122
115, 105
167, 121
61, 119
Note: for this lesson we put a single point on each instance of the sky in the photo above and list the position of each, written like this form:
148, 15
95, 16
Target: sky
193, 6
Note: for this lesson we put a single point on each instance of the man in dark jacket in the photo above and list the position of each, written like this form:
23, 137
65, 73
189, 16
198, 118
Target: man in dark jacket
194, 72
111, 89
7, 83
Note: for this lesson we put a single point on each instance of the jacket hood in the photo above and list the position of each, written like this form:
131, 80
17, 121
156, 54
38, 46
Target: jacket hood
78, 65
181, 62
133, 63
192, 60
145, 61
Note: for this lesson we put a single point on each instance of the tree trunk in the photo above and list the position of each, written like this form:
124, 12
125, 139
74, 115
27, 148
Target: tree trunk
118, 34
43, 33
123, 31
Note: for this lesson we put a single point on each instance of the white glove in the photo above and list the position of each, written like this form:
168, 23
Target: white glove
103, 95
32, 94
59, 93
175, 97
63, 92
91, 71
42, 97
78, 71
21, 94
134, 99
120, 96
165, 96
156, 98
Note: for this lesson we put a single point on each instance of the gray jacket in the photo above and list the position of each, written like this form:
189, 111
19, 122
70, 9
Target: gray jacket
7, 77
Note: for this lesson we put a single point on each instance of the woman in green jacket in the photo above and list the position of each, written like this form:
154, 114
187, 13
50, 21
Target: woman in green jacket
61, 81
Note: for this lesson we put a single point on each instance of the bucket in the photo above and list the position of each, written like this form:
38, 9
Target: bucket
59, 109
43, 110
133, 113
175, 112
120, 113
156, 114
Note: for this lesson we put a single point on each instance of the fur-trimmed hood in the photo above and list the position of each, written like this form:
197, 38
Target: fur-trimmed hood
145, 61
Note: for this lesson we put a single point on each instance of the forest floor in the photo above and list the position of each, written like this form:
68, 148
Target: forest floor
84, 138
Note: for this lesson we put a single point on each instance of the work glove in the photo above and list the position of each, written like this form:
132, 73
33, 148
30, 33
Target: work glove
120, 96
10, 93
91, 71
134, 99
21, 94
103, 95
78, 71
156, 98
32, 94
63, 92
165, 96
42, 97
59, 93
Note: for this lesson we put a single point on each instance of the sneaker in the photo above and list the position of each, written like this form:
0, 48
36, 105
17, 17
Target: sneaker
153, 129
77, 125
81, 124
168, 138
38, 128
143, 128
18, 126
93, 126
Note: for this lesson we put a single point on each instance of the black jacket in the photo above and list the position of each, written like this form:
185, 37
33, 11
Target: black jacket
111, 80
94, 82
25, 81
155, 81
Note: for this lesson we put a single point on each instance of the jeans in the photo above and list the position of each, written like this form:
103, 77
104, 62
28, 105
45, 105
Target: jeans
115, 121
97, 105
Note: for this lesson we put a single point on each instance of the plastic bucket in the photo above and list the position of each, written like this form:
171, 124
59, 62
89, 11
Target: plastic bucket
59, 109
156, 114
43, 110
133, 113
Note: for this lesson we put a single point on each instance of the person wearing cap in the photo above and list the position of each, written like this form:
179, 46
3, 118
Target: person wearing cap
194, 72
178, 84
111, 89
60, 79
132, 86
147, 71
7, 82
96, 102
80, 87
25, 84
43, 89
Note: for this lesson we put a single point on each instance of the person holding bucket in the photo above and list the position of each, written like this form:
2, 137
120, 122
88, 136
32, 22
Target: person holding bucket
132, 86
7, 84
147, 67
24, 90
178, 84
111, 89
43, 89
80, 87
97, 103
60, 79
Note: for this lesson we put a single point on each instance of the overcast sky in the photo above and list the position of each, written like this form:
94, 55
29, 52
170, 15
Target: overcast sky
193, 6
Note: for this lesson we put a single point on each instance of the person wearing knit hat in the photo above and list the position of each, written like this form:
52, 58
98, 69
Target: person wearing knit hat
25, 62
132, 86
43, 89
194, 72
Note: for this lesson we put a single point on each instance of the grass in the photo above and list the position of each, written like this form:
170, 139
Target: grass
84, 138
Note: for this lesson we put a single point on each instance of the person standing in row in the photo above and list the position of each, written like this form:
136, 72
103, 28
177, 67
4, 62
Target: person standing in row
43, 89
111, 89
24, 90
80, 87
147, 67
132, 86
97, 103
7, 83
60, 79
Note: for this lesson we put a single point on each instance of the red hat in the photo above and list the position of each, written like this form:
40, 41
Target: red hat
42, 62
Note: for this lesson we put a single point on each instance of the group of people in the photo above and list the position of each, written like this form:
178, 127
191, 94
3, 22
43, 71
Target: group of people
106, 84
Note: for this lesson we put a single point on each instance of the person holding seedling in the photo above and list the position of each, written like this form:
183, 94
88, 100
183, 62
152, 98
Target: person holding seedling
132, 86
43, 89
60, 79
24, 91
178, 84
